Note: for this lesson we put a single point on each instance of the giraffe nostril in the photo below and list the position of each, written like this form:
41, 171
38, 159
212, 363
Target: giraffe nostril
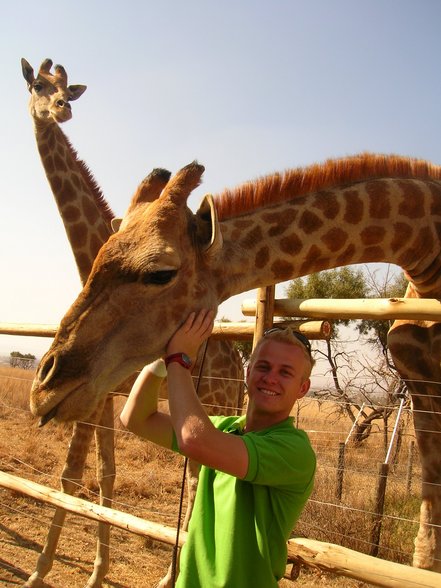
47, 368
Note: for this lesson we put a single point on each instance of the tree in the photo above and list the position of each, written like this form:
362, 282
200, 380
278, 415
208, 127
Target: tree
19, 360
365, 379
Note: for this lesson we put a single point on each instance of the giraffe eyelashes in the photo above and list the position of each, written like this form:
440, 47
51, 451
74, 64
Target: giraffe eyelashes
159, 278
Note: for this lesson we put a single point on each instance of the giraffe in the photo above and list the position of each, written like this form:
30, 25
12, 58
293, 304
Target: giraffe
88, 220
166, 261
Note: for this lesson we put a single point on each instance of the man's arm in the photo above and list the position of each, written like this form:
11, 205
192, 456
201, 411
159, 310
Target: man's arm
197, 437
140, 414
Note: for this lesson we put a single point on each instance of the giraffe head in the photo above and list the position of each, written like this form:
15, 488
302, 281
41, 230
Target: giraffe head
50, 94
145, 280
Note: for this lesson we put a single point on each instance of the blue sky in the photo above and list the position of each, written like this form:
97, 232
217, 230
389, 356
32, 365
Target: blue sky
245, 87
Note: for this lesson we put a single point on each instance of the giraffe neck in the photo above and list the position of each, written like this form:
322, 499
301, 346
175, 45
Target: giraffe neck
85, 213
388, 220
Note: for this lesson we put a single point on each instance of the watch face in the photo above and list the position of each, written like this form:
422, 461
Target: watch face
181, 358
186, 359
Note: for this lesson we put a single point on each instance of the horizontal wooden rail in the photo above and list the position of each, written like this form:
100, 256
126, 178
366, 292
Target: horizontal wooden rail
222, 330
325, 556
353, 308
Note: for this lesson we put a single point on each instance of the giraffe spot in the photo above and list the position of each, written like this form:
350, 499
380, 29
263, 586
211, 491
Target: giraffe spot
43, 149
67, 192
235, 235
281, 221
412, 205
56, 183
354, 207
79, 235
262, 257
435, 189
372, 235
59, 163
76, 181
95, 244
309, 222
282, 270
374, 253
83, 263
48, 164
243, 224
327, 202
291, 244
379, 204
251, 238
71, 214
90, 211
103, 232
335, 238
402, 235
51, 140
347, 256
273, 218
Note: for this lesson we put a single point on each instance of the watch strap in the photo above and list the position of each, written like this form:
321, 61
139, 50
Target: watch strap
181, 358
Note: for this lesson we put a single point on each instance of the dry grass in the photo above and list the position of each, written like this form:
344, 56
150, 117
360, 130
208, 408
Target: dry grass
148, 485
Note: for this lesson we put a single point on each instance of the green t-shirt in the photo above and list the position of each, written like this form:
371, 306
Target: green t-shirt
239, 528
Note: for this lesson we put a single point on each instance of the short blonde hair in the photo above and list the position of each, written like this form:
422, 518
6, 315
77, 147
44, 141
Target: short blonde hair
288, 336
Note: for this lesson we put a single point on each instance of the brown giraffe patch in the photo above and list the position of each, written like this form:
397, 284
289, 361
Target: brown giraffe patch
79, 235
71, 213
372, 235
282, 270
90, 211
59, 163
347, 256
291, 244
243, 223
262, 257
253, 236
67, 192
328, 203
48, 163
379, 205
309, 222
412, 205
335, 239
354, 208
402, 233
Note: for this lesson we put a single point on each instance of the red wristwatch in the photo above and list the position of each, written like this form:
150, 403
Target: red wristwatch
181, 358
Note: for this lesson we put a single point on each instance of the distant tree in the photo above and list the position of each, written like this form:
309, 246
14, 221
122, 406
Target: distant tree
366, 378
20, 360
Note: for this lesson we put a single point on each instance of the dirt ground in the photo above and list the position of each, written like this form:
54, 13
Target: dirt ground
148, 485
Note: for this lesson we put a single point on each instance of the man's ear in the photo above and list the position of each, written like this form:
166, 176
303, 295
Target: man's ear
304, 388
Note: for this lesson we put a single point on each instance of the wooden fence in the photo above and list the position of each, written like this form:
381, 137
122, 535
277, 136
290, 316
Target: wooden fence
325, 556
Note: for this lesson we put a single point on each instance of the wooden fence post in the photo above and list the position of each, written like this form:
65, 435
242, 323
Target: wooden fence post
410, 466
379, 508
340, 470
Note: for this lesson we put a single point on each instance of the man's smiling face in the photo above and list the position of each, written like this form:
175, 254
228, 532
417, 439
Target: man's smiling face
276, 379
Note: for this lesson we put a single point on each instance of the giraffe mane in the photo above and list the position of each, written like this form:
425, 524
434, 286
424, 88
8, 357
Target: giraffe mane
297, 182
92, 184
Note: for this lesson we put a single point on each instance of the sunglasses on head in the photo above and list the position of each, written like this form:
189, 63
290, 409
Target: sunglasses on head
299, 336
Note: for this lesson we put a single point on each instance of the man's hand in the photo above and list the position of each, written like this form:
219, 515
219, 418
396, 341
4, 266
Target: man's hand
190, 336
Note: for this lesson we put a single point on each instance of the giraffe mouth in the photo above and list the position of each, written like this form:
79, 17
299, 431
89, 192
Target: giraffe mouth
48, 416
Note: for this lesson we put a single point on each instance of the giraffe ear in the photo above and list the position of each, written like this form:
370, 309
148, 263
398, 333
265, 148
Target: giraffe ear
75, 91
208, 231
28, 72
115, 223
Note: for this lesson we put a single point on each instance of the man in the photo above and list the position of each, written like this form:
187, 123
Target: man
257, 470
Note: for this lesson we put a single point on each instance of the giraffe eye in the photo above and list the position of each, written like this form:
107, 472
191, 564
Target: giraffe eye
159, 278
37, 87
